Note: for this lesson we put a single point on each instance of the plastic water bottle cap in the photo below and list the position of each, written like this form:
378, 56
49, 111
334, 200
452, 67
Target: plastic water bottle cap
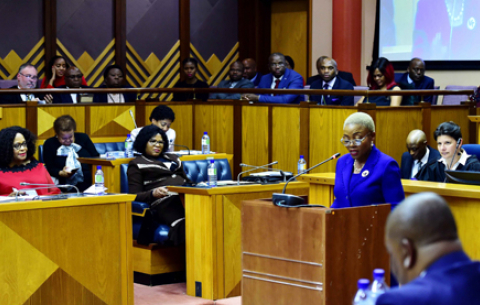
301, 156
99, 167
205, 132
378, 273
212, 161
363, 283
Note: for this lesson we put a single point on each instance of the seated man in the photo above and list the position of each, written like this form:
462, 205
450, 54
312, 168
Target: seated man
415, 77
27, 79
419, 153
330, 80
344, 75
250, 71
73, 80
162, 116
279, 78
236, 81
427, 256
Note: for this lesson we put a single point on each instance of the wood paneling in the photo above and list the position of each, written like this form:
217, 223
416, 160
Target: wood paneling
110, 120
290, 31
48, 115
457, 114
12, 116
157, 261
255, 135
286, 137
217, 120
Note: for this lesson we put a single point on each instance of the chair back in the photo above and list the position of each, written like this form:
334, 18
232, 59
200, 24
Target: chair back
196, 170
306, 97
7, 83
112, 146
456, 99
472, 149
358, 98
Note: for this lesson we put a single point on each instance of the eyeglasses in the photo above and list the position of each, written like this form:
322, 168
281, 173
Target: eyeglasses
154, 142
32, 77
355, 142
280, 64
18, 146
75, 76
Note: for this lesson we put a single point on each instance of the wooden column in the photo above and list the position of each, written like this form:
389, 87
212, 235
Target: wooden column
184, 31
32, 117
120, 17
50, 29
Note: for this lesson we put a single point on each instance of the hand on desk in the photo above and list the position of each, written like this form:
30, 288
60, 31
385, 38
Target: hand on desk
251, 97
160, 192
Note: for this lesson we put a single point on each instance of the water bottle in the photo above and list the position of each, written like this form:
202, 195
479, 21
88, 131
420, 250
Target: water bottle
128, 147
302, 165
378, 285
212, 174
361, 297
99, 181
205, 143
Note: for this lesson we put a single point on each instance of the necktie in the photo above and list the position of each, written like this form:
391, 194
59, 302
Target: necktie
324, 97
277, 82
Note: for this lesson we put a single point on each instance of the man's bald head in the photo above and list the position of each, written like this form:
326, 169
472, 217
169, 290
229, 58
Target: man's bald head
250, 68
416, 69
419, 231
417, 144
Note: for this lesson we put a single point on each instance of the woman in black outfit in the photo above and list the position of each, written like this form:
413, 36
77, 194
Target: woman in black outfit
68, 144
190, 67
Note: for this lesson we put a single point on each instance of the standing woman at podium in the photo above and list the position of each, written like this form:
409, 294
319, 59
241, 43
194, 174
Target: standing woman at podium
365, 176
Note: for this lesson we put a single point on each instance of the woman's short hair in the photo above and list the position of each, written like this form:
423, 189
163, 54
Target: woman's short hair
111, 67
190, 60
64, 123
386, 68
162, 112
448, 129
7, 136
360, 118
145, 135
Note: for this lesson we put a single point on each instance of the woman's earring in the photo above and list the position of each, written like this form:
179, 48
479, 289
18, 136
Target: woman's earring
372, 144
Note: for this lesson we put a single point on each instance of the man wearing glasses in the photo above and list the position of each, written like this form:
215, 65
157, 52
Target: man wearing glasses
73, 80
279, 78
27, 79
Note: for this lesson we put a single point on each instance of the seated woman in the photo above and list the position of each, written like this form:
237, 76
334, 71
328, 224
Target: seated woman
449, 142
113, 77
60, 154
18, 165
55, 74
150, 173
381, 76
190, 67
365, 176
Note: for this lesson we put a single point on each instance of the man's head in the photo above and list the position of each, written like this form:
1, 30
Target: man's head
236, 71
417, 144
416, 69
249, 68
277, 64
27, 76
327, 68
420, 230
162, 116
73, 77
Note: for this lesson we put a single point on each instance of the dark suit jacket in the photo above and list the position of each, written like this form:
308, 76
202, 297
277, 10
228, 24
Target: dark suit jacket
64, 98
345, 75
257, 80
339, 84
15, 98
243, 83
103, 97
435, 171
290, 80
379, 182
407, 161
426, 83
452, 279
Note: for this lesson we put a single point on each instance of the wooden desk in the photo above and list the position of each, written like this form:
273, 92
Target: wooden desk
72, 251
464, 200
111, 168
213, 238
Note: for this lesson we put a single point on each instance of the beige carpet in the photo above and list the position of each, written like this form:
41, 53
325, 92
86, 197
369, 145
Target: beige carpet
174, 294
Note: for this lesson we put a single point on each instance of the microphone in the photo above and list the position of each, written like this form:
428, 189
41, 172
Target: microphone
287, 200
133, 119
45, 186
184, 146
254, 168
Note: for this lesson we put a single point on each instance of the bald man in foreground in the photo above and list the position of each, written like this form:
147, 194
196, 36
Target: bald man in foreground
427, 257
418, 154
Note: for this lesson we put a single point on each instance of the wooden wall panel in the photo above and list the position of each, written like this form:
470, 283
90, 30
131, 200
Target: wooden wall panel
46, 116
326, 130
182, 124
11, 116
110, 120
286, 137
392, 128
217, 120
457, 114
255, 135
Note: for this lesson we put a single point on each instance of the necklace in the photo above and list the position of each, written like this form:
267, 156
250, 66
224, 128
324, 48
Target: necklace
455, 20
356, 169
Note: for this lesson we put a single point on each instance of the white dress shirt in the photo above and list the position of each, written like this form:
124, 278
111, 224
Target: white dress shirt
418, 164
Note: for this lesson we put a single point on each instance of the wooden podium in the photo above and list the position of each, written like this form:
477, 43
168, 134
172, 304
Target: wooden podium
309, 255
71, 251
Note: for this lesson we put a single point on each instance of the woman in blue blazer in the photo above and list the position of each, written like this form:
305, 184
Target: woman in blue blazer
366, 175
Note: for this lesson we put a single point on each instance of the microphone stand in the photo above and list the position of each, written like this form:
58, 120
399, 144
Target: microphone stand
184, 146
254, 168
45, 186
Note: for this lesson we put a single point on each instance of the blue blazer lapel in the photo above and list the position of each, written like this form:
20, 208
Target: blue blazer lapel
369, 166
285, 80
